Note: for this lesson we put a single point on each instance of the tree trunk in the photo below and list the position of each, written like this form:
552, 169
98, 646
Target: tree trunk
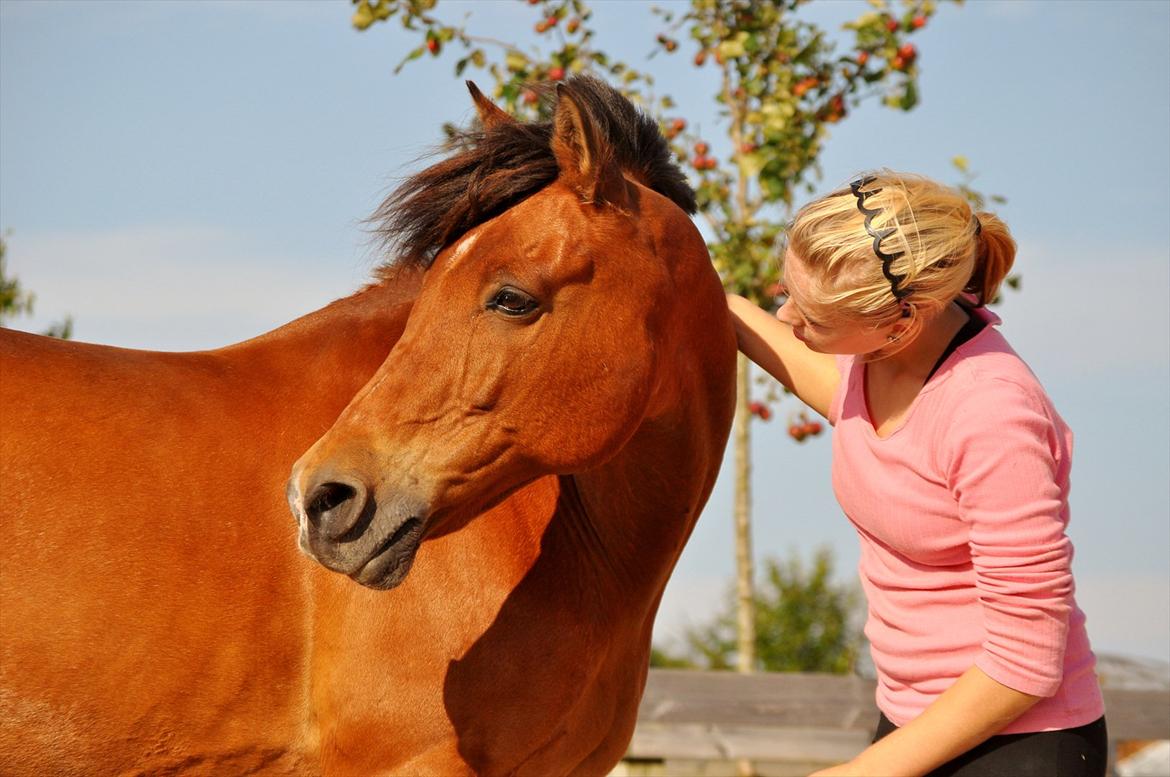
745, 605
744, 566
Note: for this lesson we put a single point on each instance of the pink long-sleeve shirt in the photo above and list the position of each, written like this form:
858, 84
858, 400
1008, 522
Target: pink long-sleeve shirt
961, 512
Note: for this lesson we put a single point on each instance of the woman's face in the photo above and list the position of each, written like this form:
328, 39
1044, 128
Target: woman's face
812, 322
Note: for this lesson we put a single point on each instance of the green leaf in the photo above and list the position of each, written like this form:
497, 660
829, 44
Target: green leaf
515, 61
730, 49
750, 165
909, 96
415, 54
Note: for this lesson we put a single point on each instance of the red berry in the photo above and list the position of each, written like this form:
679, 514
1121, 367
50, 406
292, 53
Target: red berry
678, 125
891, 24
897, 63
433, 45
918, 22
765, 413
540, 27
700, 58
796, 432
528, 96
551, 21
862, 58
556, 73
814, 427
835, 110
701, 148
908, 52
572, 26
804, 84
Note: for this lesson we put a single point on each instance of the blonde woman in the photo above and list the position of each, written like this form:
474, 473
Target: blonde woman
953, 466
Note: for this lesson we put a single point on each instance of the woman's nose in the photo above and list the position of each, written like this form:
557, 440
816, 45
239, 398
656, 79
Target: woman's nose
787, 314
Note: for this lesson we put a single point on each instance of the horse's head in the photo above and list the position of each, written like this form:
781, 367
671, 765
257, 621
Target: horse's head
536, 343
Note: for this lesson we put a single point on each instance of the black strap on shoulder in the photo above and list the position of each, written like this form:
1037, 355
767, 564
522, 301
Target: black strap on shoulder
973, 327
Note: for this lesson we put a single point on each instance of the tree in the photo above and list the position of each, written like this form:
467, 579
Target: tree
15, 301
782, 85
804, 622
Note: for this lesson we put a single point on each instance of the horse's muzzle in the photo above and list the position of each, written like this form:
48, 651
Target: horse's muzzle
348, 530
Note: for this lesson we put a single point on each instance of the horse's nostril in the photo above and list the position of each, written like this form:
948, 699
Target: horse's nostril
334, 508
329, 496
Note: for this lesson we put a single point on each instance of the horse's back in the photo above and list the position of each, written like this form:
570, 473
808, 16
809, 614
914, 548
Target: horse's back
143, 591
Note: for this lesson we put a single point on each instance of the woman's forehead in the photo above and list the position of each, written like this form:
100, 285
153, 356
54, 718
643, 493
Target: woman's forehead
795, 273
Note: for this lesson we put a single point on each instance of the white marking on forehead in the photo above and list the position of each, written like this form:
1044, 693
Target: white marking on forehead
461, 249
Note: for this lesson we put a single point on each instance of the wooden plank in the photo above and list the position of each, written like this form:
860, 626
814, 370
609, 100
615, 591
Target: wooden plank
772, 699
1133, 714
822, 702
702, 742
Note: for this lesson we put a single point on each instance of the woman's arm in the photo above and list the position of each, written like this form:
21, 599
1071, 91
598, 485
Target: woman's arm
811, 376
973, 709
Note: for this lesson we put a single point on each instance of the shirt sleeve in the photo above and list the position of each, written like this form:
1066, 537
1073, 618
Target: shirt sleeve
1006, 473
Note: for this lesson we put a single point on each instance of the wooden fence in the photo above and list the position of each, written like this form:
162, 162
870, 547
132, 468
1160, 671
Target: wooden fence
803, 720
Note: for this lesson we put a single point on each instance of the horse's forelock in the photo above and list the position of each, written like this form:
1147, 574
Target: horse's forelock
494, 169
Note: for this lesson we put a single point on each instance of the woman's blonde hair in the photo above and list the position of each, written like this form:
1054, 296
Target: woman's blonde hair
941, 251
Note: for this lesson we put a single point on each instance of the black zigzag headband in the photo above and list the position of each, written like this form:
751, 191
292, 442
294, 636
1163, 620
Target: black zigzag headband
878, 236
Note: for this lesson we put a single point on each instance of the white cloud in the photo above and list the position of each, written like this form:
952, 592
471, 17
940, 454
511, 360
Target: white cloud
687, 602
1126, 613
171, 288
1090, 312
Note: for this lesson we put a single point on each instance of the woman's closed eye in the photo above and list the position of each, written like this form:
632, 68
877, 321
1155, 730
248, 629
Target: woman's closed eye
814, 324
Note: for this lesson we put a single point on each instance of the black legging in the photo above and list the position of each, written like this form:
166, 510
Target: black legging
1070, 752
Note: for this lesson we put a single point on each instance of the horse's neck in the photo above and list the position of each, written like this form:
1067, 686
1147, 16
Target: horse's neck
644, 502
315, 364
642, 512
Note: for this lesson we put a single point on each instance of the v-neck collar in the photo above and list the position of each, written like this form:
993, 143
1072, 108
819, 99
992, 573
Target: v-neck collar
981, 317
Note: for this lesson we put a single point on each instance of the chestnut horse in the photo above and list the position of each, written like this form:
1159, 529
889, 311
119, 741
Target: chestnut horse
519, 423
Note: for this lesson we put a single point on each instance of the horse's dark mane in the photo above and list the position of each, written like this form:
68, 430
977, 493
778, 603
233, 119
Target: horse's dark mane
494, 169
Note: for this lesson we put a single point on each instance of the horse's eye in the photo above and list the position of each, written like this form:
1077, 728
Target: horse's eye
512, 302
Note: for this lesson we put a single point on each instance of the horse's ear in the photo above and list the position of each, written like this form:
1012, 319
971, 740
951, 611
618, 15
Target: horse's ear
490, 114
584, 157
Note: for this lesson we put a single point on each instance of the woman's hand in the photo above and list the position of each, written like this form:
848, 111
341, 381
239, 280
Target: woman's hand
973, 709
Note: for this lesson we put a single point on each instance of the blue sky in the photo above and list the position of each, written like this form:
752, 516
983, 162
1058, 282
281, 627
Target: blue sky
183, 175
